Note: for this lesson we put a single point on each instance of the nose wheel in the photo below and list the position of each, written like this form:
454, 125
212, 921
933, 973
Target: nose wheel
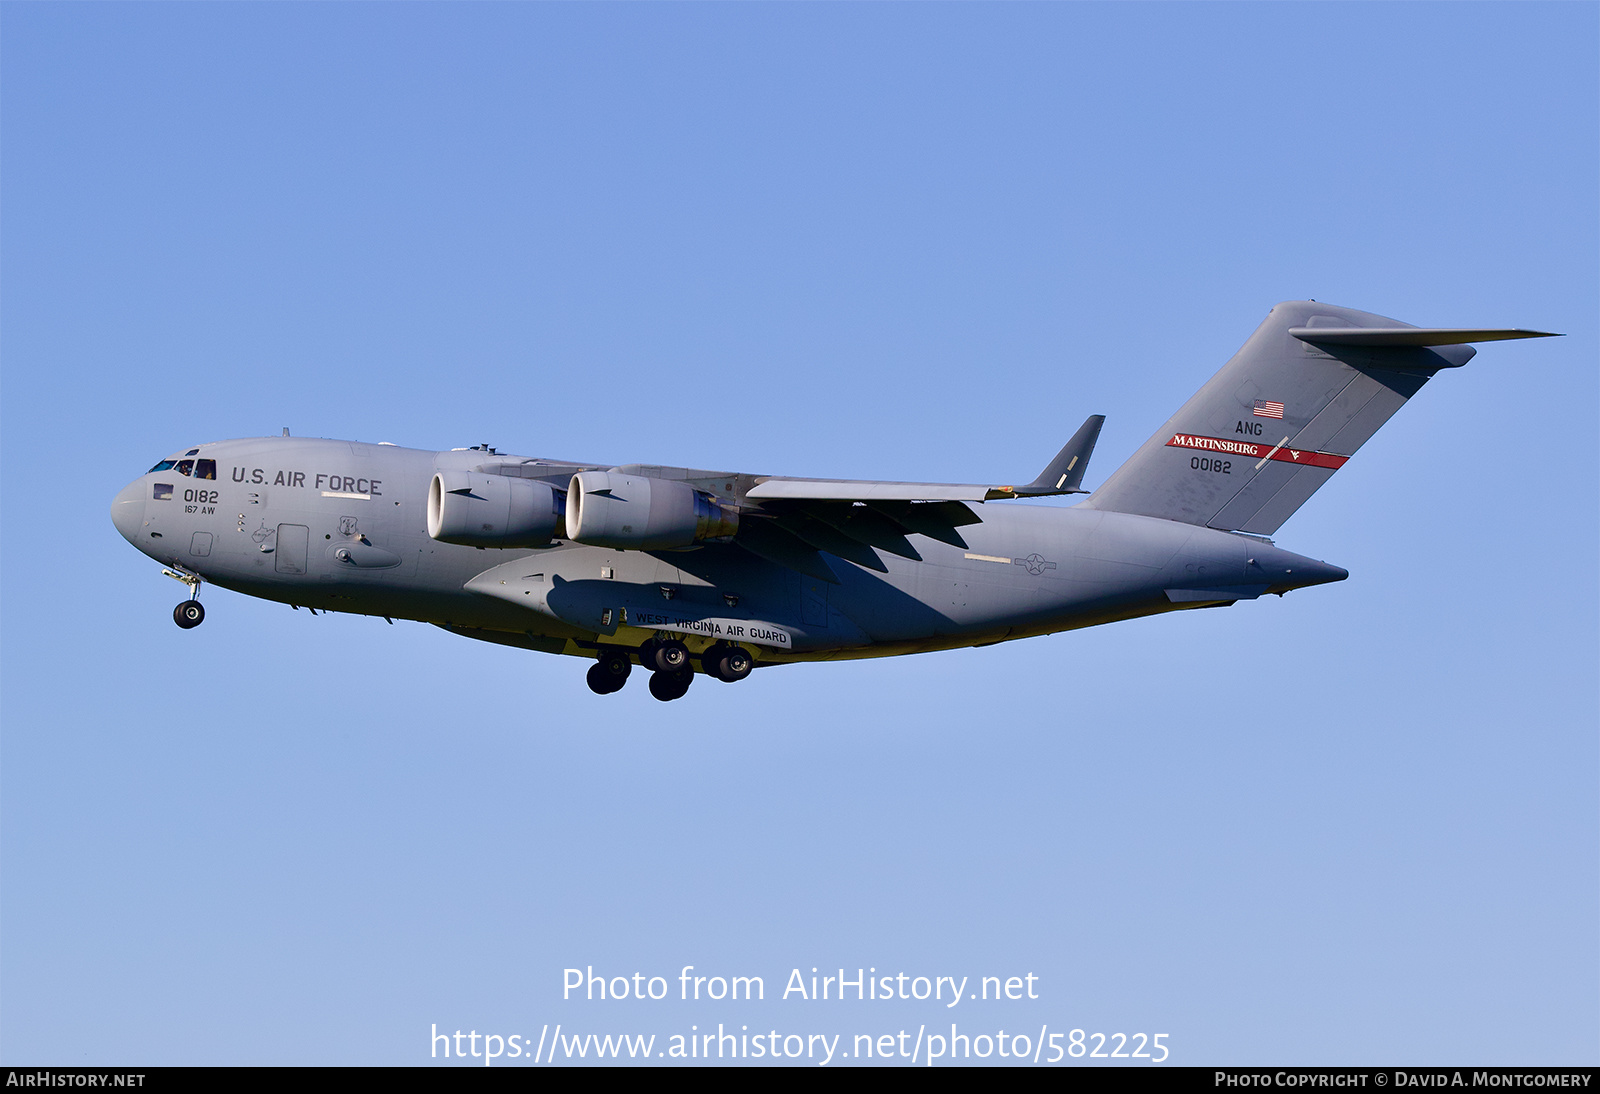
190, 613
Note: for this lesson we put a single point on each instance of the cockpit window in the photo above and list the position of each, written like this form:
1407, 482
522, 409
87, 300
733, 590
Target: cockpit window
164, 465
205, 469
185, 467
192, 452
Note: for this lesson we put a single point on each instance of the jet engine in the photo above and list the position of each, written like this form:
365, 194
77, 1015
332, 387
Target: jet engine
638, 513
477, 510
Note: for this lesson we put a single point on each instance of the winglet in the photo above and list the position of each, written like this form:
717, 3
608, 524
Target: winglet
1064, 475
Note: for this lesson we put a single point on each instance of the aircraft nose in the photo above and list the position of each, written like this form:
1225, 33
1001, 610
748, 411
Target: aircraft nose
127, 511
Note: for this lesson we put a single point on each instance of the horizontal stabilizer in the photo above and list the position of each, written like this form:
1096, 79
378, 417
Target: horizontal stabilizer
1411, 336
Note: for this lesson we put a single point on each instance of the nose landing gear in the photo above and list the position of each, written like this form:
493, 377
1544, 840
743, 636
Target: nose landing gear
190, 613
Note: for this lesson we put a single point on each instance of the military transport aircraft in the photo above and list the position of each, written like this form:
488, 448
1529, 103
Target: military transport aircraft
681, 570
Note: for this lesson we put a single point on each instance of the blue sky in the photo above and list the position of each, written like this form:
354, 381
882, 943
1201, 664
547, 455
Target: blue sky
1355, 825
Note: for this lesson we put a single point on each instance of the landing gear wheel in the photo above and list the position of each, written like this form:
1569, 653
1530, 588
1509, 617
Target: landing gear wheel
730, 664
609, 673
668, 686
189, 614
670, 657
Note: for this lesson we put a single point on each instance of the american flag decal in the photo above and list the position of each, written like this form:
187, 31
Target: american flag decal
1266, 409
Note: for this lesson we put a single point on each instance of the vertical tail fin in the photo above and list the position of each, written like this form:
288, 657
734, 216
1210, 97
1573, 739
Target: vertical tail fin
1308, 389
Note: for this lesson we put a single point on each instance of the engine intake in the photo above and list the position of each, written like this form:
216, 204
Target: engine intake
638, 513
477, 510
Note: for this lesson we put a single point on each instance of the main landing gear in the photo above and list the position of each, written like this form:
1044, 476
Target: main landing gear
730, 664
671, 671
668, 656
190, 613
610, 672
668, 686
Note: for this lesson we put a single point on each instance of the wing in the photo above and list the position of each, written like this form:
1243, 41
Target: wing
1061, 475
799, 521
779, 489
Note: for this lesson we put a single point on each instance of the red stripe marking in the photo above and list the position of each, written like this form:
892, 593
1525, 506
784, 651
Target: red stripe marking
1253, 451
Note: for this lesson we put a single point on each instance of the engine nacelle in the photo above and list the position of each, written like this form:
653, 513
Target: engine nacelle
638, 513
477, 510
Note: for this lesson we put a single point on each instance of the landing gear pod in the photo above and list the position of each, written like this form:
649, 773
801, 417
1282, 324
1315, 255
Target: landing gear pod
637, 513
477, 510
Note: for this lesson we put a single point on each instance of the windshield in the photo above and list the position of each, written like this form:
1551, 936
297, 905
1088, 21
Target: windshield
164, 465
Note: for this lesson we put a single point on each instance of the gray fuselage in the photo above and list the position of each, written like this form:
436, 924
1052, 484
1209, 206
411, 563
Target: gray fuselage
341, 526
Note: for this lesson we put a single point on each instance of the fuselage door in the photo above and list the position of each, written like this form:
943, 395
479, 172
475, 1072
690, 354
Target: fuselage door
293, 548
